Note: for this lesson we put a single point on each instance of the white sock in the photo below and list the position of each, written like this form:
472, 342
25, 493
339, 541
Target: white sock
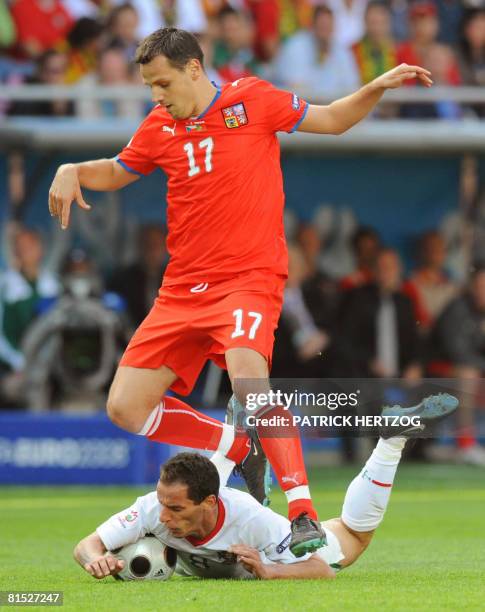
223, 464
153, 421
368, 494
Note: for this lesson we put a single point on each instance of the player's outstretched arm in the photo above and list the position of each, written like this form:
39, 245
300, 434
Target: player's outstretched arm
341, 115
99, 175
314, 567
91, 555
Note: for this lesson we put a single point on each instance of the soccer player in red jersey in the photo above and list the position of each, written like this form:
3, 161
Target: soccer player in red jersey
222, 291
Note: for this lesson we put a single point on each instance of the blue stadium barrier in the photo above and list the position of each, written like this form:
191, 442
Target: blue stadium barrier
74, 449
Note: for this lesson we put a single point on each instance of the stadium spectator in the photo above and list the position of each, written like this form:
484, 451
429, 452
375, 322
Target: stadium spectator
138, 282
266, 15
321, 293
471, 52
424, 29
294, 15
312, 61
40, 25
51, 70
376, 51
349, 20
365, 246
83, 44
26, 290
429, 287
299, 342
113, 69
459, 337
233, 51
377, 333
122, 24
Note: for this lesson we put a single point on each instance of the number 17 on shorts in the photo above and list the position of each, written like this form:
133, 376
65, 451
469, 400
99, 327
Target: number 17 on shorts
246, 323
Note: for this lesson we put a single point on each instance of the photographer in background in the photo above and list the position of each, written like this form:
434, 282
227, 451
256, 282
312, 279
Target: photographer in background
72, 351
26, 290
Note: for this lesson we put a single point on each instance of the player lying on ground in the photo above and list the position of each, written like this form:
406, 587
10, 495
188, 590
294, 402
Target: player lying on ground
226, 533
222, 290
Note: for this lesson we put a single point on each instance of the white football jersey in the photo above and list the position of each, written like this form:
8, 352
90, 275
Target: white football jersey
241, 520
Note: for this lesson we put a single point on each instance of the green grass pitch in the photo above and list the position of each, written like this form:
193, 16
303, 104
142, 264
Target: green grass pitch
429, 554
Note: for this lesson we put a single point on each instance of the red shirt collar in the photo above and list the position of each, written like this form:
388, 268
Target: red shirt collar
221, 515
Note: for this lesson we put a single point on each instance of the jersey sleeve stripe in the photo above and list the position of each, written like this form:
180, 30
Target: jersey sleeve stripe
297, 124
127, 168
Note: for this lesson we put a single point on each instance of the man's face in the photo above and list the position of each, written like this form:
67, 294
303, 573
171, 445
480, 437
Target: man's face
180, 514
378, 22
54, 69
236, 32
28, 249
388, 271
425, 28
323, 27
172, 88
434, 252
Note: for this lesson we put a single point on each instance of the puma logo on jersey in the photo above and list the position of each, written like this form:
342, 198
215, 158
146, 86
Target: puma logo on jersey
200, 288
236, 83
165, 128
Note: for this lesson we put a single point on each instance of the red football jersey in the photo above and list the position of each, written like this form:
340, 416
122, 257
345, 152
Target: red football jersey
225, 188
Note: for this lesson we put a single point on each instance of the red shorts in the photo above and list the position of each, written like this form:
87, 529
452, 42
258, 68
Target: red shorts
188, 325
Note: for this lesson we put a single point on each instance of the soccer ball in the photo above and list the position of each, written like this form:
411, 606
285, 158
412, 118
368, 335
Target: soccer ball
146, 559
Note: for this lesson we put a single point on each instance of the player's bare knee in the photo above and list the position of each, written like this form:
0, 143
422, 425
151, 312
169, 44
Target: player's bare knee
120, 412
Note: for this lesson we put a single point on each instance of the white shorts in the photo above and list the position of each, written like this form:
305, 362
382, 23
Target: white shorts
332, 553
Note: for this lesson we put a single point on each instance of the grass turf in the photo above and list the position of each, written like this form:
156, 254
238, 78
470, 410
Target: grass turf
428, 554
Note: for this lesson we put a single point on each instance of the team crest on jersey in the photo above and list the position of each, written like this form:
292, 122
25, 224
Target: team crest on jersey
235, 116
196, 126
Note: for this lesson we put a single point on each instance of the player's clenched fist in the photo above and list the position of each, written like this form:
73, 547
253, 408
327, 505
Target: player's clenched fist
397, 76
103, 566
64, 190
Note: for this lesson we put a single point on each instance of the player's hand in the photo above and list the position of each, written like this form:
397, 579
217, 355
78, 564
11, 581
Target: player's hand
103, 566
65, 189
397, 76
250, 559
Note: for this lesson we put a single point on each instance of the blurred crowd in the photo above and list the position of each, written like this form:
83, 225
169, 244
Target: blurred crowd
363, 318
318, 48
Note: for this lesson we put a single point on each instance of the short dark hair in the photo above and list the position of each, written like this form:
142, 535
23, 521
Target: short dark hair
194, 470
363, 232
84, 31
321, 9
178, 46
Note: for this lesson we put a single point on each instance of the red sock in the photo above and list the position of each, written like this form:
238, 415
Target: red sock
466, 438
282, 446
175, 422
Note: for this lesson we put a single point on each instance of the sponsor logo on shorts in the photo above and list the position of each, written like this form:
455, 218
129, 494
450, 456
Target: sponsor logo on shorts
200, 288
